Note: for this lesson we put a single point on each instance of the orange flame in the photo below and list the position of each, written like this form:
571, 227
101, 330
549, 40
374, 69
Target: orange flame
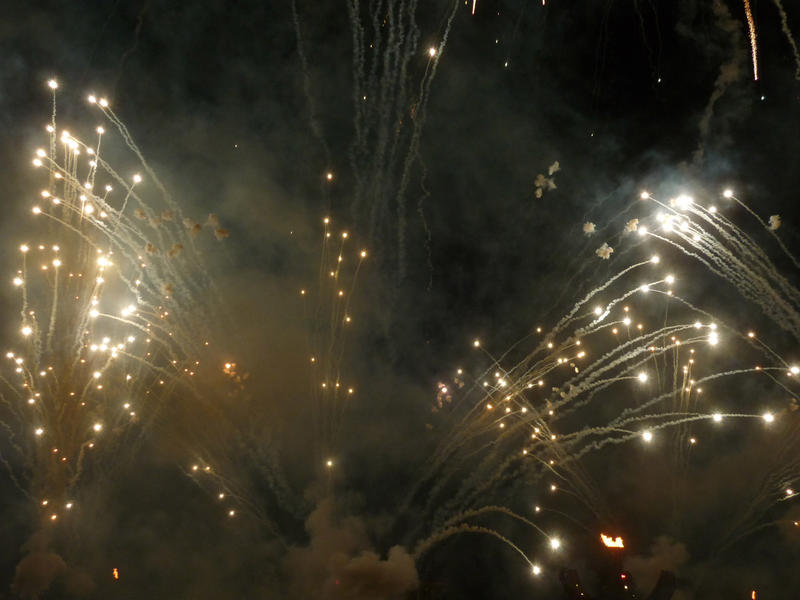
115, 573
612, 542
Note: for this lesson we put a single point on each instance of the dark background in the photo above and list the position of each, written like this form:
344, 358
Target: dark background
214, 94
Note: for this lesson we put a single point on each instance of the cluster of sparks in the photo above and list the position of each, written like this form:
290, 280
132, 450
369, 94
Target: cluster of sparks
110, 328
536, 420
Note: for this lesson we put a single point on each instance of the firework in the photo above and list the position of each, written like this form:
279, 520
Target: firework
109, 326
637, 359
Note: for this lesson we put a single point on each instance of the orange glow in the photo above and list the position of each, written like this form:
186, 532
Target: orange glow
115, 573
612, 542
753, 595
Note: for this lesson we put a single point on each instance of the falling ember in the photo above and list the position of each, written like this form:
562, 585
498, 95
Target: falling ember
610, 542
751, 25
115, 573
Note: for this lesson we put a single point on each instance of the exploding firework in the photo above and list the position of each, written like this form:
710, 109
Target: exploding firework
641, 359
110, 326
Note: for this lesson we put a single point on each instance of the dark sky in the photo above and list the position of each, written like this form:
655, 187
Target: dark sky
242, 117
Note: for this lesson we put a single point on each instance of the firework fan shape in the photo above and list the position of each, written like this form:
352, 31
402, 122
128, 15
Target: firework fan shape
110, 326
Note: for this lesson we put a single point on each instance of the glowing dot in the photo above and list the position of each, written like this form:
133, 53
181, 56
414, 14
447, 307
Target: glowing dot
536, 569
103, 102
642, 377
329, 177
669, 279
768, 417
329, 463
728, 193
231, 513
555, 543
52, 84
431, 51
38, 431
97, 427
476, 343
26, 331
644, 195
36, 210
137, 178
647, 436
717, 418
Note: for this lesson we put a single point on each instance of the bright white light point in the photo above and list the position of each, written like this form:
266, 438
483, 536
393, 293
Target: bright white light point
126, 406
476, 343
647, 436
97, 426
137, 178
69, 505
642, 377
713, 338
231, 513
555, 543
728, 193
96, 374
329, 463
52, 84
795, 370
26, 331
644, 195
101, 131
103, 102
36, 210
789, 492
536, 569
768, 417
712, 209
626, 321
717, 417
38, 431
23, 248
431, 51
655, 259
221, 496
17, 281
329, 177
56, 262
642, 231
93, 313
669, 279
644, 288
697, 324
684, 201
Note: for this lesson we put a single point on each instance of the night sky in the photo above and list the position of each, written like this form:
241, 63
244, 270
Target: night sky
422, 130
